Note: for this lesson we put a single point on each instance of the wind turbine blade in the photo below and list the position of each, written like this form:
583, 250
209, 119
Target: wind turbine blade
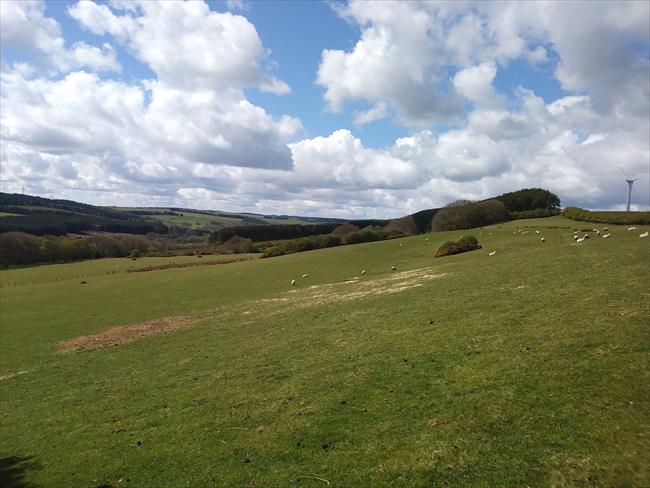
623, 171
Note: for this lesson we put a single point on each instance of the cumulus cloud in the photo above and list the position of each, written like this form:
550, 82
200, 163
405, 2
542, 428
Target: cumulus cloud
377, 112
191, 137
23, 25
186, 44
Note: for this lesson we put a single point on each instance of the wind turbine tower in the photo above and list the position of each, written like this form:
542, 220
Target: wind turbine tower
630, 182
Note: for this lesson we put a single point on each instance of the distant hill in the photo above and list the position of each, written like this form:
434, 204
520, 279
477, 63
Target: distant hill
213, 220
41, 216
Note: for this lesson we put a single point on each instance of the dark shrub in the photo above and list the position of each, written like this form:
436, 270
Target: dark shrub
465, 244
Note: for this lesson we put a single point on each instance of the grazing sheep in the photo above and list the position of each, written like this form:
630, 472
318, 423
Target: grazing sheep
536, 232
645, 234
305, 275
363, 271
597, 232
575, 238
605, 229
543, 240
293, 282
631, 228
605, 236
492, 253
393, 268
582, 239
586, 236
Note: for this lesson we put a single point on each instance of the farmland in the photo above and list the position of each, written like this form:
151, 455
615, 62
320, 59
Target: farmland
529, 367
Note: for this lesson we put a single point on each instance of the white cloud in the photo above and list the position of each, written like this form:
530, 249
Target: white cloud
393, 62
190, 137
475, 83
24, 25
377, 112
186, 44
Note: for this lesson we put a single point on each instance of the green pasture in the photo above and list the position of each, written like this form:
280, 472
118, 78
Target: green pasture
526, 368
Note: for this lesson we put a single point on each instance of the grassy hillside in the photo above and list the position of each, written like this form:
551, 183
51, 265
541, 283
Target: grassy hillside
527, 368
40, 216
210, 220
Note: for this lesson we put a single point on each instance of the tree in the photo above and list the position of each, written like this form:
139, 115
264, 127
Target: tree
404, 225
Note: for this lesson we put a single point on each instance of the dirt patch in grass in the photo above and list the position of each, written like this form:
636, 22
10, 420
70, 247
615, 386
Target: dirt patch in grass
355, 288
125, 333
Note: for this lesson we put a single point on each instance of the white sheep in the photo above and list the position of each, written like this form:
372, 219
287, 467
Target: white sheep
363, 271
305, 275
536, 232
645, 234
393, 268
631, 228
582, 239
543, 240
492, 253
293, 282
605, 236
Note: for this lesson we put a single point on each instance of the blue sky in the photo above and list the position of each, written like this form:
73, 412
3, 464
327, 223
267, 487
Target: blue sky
320, 108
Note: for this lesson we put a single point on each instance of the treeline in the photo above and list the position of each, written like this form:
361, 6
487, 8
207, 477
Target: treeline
367, 234
44, 216
17, 203
61, 223
18, 248
604, 217
277, 232
464, 214
529, 199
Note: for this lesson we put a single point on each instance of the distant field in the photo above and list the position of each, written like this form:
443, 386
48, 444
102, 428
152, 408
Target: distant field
215, 219
48, 273
527, 368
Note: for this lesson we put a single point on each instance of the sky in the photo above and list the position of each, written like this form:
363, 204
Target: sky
340, 109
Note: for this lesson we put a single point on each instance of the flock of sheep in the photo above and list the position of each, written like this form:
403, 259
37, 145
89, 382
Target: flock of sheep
577, 239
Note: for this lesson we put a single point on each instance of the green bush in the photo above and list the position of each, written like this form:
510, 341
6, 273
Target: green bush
535, 213
602, 217
464, 244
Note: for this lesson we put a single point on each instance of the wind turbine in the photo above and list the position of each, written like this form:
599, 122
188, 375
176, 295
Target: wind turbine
630, 182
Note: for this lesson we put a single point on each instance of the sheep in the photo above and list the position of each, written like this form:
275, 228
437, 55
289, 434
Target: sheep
586, 236
536, 232
492, 253
393, 268
293, 282
605, 229
582, 239
645, 234
363, 271
605, 236
597, 232
575, 238
631, 228
543, 240
305, 275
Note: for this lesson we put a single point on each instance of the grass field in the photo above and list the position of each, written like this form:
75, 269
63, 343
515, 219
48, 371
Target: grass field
527, 368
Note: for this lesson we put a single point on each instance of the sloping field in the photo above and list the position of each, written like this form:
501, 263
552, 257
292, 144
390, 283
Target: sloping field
526, 368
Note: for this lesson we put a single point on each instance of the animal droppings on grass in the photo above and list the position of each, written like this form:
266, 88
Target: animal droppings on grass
122, 334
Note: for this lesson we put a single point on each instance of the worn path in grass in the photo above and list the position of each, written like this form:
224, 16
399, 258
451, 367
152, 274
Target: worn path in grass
526, 368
